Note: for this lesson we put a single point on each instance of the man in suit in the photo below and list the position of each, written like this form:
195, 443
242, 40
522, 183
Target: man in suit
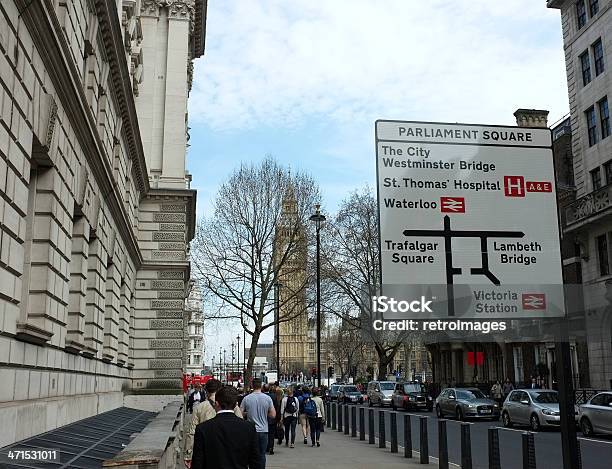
226, 441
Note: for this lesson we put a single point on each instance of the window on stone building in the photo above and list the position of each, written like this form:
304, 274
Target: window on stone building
591, 125
602, 255
596, 178
585, 66
608, 171
517, 353
581, 13
593, 7
539, 351
598, 55
604, 117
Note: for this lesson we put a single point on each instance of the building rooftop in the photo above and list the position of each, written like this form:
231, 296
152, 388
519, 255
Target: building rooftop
84, 444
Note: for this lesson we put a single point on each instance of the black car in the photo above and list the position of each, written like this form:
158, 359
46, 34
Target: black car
412, 395
349, 394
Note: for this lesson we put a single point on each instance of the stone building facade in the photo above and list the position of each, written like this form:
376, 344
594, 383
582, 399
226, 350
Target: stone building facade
95, 210
193, 355
587, 37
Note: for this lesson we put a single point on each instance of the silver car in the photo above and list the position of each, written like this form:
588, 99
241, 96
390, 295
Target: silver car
463, 403
380, 392
596, 415
534, 407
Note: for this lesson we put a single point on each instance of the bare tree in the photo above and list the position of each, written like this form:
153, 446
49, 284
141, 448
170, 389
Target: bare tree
256, 239
352, 271
346, 347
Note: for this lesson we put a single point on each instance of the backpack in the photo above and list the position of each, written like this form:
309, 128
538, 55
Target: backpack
290, 406
310, 407
302, 399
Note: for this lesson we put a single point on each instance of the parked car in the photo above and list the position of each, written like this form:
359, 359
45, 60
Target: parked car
463, 403
380, 392
349, 393
534, 407
333, 391
411, 395
596, 415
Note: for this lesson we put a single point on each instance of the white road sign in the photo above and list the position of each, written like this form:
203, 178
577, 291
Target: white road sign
468, 218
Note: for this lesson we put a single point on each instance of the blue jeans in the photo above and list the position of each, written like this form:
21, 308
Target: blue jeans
263, 445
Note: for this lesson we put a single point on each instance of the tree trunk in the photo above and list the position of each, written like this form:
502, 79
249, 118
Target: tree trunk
383, 363
252, 353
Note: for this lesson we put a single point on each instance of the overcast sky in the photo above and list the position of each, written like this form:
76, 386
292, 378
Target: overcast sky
305, 80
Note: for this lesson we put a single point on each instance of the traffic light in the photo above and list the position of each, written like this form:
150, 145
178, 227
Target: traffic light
330, 371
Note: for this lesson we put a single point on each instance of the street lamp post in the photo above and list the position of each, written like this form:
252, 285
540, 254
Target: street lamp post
277, 287
318, 218
232, 368
220, 363
213, 366
238, 353
225, 366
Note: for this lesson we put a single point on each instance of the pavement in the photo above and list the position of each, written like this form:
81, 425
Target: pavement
339, 451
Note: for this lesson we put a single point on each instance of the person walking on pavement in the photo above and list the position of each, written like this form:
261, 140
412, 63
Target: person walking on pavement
205, 411
279, 415
257, 407
508, 387
315, 410
496, 392
195, 398
226, 440
304, 423
290, 408
272, 421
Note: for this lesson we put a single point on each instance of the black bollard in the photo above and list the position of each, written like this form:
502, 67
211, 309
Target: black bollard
442, 445
353, 421
361, 424
340, 407
407, 437
327, 414
424, 442
382, 437
529, 457
393, 432
466, 447
494, 457
346, 420
334, 412
371, 436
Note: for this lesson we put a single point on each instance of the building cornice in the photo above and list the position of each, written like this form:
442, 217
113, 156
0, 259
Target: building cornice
199, 30
190, 196
41, 21
555, 3
112, 34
